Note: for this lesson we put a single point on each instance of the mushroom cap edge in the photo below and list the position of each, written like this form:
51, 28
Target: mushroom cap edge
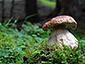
59, 20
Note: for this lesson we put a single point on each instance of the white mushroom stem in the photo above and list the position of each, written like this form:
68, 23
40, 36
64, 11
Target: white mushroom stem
63, 36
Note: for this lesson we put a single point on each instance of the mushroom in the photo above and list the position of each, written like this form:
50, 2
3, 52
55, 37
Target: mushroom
60, 34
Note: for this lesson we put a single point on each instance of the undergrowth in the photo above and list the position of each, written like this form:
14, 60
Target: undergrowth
31, 41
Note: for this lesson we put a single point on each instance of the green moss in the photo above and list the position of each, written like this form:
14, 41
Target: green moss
32, 42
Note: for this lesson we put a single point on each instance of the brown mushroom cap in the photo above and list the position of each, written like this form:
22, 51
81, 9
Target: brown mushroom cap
68, 21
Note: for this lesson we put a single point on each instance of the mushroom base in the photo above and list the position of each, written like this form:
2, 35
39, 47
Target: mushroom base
63, 36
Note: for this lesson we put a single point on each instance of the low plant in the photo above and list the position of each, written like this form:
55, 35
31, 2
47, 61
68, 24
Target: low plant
31, 43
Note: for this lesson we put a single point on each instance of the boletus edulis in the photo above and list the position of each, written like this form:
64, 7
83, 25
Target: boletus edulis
60, 33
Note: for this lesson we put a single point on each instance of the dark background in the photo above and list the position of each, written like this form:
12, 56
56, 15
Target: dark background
40, 11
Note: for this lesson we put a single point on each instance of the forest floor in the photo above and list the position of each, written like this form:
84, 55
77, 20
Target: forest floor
19, 13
